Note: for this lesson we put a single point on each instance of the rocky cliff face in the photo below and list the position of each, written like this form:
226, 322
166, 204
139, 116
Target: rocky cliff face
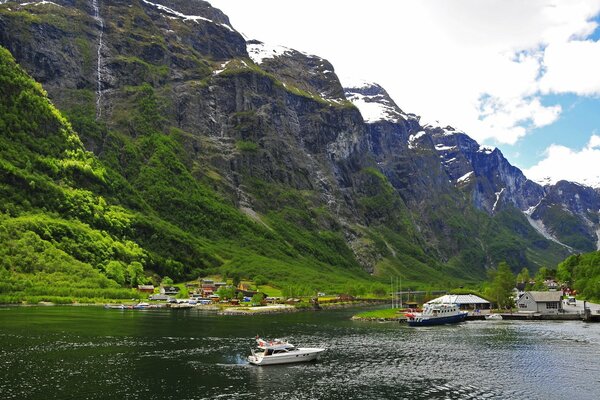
454, 161
327, 170
569, 213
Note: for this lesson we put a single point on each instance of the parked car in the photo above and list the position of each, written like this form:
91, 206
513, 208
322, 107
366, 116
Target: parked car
571, 300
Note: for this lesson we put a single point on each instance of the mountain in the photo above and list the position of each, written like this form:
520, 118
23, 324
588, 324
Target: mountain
232, 156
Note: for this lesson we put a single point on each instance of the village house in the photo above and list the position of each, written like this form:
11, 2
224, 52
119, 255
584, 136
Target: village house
540, 302
208, 289
146, 289
551, 284
169, 290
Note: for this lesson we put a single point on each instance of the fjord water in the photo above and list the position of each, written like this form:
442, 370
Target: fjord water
92, 353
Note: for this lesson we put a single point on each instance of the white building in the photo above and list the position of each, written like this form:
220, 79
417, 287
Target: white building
464, 301
540, 302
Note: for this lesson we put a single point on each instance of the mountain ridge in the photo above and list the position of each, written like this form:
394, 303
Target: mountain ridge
212, 142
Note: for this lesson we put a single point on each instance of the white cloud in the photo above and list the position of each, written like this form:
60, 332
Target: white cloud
563, 163
572, 67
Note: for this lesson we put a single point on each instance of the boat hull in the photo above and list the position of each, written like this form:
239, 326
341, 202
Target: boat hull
300, 355
430, 321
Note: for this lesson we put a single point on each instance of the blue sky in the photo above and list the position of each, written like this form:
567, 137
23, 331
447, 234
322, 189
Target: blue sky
579, 119
520, 75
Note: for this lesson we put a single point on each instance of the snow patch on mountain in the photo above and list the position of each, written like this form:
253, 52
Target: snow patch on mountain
177, 14
539, 226
259, 51
498, 194
413, 138
373, 102
552, 180
486, 149
373, 110
36, 3
441, 147
464, 178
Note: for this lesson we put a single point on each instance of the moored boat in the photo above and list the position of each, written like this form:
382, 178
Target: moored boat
494, 317
279, 351
436, 314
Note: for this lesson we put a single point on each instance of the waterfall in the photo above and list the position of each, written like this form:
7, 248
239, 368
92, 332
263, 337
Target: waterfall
100, 66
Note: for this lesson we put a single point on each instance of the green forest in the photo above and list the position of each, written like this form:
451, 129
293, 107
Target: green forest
582, 271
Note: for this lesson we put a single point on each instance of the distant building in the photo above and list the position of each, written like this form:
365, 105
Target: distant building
208, 289
540, 302
159, 297
551, 284
464, 301
169, 290
146, 288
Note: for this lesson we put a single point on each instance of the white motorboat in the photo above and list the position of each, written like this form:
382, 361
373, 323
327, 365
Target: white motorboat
493, 317
279, 351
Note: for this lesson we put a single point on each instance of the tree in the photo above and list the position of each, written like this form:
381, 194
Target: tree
135, 274
236, 278
226, 292
115, 270
256, 299
540, 277
502, 284
166, 281
523, 276
260, 280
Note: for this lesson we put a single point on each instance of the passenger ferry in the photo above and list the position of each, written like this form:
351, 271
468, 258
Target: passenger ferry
436, 314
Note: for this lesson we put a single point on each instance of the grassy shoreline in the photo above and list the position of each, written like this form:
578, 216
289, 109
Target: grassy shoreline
386, 314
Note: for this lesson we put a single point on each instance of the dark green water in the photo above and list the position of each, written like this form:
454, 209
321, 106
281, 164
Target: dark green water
92, 353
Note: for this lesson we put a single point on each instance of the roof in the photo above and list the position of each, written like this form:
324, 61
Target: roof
146, 287
545, 297
459, 299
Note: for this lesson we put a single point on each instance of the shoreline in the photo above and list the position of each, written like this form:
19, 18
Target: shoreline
215, 308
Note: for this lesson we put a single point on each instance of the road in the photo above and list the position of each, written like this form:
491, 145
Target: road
578, 307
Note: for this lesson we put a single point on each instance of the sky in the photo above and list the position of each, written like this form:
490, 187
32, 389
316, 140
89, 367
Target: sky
523, 76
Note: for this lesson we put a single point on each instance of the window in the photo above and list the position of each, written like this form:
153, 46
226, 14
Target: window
522, 305
552, 305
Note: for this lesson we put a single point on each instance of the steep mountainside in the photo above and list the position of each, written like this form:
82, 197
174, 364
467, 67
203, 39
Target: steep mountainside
240, 156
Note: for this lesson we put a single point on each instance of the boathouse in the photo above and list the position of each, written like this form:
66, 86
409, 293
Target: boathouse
464, 301
541, 302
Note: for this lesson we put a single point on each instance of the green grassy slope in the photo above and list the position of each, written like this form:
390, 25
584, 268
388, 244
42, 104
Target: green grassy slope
69, 222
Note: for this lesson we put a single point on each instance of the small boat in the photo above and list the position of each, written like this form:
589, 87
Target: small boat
436, 314
114, 306
279, 351
493, 317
